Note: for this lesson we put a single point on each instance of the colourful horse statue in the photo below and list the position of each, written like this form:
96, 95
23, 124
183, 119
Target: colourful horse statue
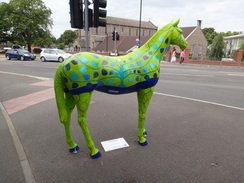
138, 71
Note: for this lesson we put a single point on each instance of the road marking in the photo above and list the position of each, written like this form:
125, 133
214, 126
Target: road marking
235, 74
191, 70
196, 100
19, 148
17, 104
20, 103
26, 75
49, 67
43, 83
6, 63
197, 75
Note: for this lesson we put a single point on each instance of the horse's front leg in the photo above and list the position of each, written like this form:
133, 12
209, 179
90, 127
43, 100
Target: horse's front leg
83, 101
69, 104
144, 96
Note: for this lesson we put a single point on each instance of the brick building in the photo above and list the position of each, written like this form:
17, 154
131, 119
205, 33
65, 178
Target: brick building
197, 42
100, 38
125, 27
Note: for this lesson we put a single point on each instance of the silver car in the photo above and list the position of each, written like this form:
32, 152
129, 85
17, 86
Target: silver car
54, 55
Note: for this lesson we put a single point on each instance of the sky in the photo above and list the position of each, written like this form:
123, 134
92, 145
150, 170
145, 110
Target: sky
222, 15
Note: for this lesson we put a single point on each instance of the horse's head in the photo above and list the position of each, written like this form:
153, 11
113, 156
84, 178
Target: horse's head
176, 37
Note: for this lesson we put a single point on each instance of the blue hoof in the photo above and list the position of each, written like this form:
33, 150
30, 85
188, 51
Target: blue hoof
96, 155
143, 144
145, 133
74, 150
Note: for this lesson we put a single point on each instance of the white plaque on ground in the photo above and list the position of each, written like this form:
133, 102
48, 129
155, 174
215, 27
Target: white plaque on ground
114, 144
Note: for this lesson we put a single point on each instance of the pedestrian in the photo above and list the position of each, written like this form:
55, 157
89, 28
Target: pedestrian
173, 57
182, 56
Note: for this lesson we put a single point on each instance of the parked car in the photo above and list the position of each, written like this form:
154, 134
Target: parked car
54, 55
19, 54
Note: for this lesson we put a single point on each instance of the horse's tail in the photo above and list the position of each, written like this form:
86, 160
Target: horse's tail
59, 93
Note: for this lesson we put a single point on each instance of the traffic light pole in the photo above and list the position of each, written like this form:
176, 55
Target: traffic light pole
114, 40
86, 26
140, 26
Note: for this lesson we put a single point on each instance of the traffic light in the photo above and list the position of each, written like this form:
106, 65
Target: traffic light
113, 35
76, 14
100, 13
117, 36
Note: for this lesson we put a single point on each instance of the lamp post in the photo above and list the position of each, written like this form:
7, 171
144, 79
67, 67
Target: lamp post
140, 25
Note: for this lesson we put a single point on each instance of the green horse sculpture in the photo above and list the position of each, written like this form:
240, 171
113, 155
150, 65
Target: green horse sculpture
138, 71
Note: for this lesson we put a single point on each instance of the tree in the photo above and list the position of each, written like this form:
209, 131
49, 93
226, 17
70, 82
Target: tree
28, 21
242, 46
61, 46
45, 41
5, 25
210, 34
69, 36
229, 33
217, 48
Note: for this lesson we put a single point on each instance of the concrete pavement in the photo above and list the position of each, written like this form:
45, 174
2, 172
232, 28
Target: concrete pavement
188, 142
11, 170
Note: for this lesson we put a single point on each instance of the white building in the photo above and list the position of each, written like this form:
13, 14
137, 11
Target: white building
233, 43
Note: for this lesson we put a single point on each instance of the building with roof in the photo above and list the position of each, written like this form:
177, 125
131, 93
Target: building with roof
197, 42
233, 43
100, 38
127, 29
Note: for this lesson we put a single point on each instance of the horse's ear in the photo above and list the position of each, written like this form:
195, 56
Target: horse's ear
176, 23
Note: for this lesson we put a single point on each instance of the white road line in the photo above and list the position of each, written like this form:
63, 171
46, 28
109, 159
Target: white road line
188, 70
26, 75
47, 66
6, 63
236, 75
197, 75
196, 100
19, 147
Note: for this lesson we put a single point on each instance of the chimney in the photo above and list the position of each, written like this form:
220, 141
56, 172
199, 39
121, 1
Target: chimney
199, 23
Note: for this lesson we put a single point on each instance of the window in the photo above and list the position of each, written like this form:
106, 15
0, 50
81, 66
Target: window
200, 52
52, 52
191, 51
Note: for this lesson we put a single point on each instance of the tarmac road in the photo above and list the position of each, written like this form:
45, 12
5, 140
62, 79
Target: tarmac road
190, 139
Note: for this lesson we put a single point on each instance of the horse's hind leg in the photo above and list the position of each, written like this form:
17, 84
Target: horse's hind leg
82, 103
70, 104
144, 97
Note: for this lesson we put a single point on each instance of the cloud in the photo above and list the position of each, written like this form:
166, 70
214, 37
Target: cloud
60, 16
223, 15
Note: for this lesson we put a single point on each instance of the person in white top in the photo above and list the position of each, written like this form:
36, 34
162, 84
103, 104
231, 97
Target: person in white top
173, 57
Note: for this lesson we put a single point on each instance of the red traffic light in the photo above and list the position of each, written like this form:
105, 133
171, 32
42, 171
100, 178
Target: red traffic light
117, 36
